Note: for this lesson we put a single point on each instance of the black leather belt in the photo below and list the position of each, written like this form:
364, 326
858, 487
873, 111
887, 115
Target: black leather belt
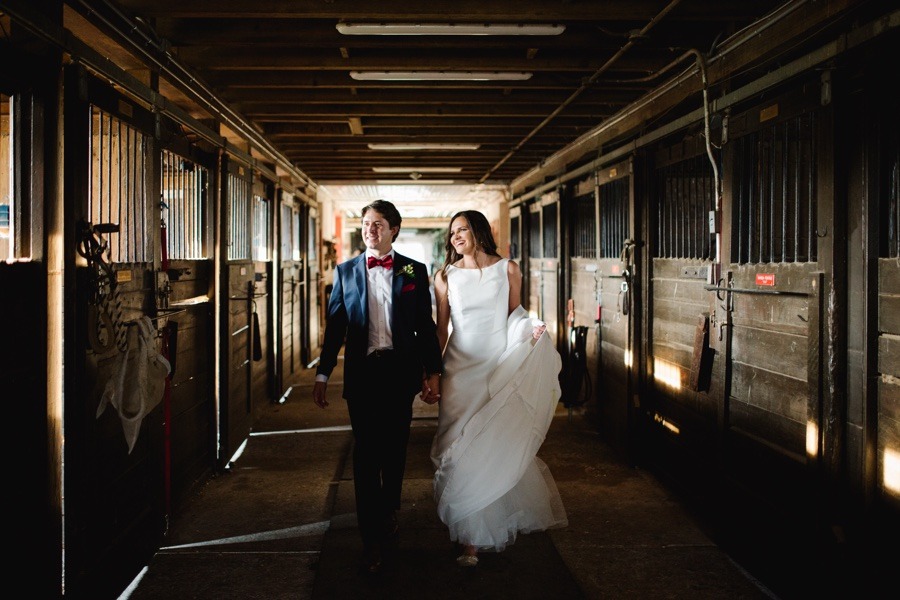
380, 353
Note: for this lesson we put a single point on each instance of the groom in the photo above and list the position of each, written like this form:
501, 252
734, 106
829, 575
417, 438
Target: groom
380, 309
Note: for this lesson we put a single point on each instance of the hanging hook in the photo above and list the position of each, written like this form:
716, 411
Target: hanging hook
720, 292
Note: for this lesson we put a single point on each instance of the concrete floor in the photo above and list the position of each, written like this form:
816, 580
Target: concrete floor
280, 524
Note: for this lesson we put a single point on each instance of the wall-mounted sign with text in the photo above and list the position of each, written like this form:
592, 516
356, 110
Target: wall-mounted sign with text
765, 279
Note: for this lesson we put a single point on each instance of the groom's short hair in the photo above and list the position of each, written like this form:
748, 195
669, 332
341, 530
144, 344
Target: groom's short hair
386, 210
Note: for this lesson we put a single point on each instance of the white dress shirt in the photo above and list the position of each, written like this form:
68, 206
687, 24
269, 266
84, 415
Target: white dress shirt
379, 298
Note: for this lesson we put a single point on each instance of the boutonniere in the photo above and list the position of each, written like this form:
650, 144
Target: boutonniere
406, 271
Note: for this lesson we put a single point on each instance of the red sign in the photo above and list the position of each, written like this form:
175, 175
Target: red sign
765, 279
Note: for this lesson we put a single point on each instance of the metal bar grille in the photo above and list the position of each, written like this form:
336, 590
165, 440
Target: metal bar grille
534, 235
295, 236
613, 217
285, 228
890, 172
550, 218
239, 211
584, 238
7, 181
118, 188
184, 212
312, 239
774, 194
515, 237
261, 229
687, 195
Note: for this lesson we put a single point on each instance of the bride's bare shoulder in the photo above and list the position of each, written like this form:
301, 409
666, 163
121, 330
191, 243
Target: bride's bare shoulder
440, 282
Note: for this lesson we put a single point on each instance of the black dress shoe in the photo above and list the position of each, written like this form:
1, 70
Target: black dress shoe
372, 561
391, 526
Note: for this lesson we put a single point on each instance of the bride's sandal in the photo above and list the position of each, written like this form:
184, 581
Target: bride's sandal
467, 560
469, 557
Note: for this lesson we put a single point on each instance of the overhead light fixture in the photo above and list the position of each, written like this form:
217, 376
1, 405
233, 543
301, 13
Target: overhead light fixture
422, 146
417, 169
413, 182
449, 29
440, 75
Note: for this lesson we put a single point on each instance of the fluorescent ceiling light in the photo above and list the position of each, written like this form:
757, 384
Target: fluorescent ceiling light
440, 75
413, 182
417, 169
448, 29
423, 146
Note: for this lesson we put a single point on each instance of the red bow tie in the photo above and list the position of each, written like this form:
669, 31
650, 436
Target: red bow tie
387, 262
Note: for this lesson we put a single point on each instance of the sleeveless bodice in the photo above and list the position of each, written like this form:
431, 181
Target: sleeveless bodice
478, 298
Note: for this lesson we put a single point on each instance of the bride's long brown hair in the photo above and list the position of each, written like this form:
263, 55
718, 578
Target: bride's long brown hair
481, 231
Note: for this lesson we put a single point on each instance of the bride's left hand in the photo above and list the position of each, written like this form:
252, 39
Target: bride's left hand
538, 330
431, 389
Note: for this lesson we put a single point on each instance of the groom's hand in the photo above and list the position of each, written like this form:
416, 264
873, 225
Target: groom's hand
319, 394
431, 388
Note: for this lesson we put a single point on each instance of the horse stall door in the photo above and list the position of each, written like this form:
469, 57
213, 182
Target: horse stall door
315, 314
872, 165
25, 372
550, 280
290, 301
580, 378
614, 281
681, 416
114, 489
886, 471
532, 260
236, 407
185, 293
259, 290
543, 263
772, 310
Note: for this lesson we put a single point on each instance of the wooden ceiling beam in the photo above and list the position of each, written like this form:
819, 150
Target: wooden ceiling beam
246, 98
509, 11
421, 132
258, 32
302, 111
302, 59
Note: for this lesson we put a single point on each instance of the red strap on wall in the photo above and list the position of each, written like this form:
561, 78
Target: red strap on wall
167, 426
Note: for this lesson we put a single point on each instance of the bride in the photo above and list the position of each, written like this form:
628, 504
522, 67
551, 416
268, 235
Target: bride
498, 395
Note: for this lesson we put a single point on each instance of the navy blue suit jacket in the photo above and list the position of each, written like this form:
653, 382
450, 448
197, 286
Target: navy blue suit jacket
413, 329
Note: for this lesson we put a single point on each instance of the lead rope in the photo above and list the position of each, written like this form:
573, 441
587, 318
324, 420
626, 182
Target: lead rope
112, 305
105, 310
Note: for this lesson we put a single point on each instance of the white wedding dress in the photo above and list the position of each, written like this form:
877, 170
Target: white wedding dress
499, 393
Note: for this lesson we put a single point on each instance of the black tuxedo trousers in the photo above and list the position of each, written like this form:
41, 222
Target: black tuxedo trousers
380, 420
